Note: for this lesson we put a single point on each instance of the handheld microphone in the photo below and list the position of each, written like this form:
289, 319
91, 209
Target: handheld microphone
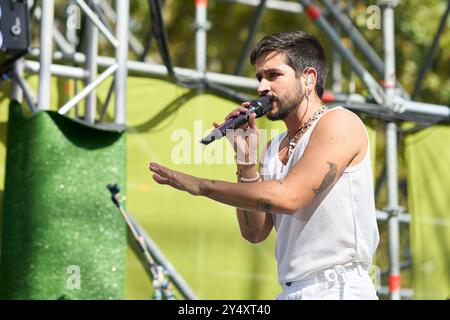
259, 106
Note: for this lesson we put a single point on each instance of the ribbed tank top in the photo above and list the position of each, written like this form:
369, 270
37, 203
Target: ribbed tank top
336, 227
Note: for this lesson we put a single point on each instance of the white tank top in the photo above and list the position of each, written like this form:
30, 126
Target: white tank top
336, 227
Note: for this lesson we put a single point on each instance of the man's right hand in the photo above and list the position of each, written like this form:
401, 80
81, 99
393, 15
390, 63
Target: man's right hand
244, 139
255, 226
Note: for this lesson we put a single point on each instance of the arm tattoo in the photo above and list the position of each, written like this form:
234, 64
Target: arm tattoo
264, 205
328, 179
247, 223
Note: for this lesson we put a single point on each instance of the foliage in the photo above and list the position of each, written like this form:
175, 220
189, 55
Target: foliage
415, 23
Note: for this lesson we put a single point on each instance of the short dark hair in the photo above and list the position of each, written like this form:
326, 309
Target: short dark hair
301, 50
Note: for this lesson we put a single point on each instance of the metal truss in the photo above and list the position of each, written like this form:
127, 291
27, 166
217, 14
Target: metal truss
387, 95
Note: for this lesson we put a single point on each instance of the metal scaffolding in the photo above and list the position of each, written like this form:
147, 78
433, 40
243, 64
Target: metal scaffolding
387, 98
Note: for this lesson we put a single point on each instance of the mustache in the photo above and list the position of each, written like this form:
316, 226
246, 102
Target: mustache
272, 97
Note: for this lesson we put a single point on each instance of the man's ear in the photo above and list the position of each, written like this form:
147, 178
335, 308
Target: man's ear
309, 74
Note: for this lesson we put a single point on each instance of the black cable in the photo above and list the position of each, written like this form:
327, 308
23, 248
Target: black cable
81, 34
430, 54
420, 126
388, 114
227, 92
147, 45
33, 7
148, 39
99, 13
162, 40
160, 35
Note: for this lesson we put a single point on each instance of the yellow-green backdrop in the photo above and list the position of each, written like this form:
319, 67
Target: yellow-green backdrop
200, 237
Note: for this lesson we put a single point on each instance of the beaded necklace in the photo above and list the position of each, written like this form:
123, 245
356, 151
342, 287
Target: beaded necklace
302, 129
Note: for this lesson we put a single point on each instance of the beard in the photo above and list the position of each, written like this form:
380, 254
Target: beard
286, 105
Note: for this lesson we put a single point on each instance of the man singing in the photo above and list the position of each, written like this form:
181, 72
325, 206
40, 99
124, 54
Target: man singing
314, 182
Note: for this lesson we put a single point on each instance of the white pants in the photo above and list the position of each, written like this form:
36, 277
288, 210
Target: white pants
350, 282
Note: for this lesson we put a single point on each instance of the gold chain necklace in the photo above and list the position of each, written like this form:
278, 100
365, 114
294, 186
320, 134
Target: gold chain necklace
302, 129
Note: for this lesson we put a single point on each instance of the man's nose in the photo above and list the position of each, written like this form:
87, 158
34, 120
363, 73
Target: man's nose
263, 87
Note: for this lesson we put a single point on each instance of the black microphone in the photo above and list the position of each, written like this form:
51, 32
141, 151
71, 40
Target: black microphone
259, 106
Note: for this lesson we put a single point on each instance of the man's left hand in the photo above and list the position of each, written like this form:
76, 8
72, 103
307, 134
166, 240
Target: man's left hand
175, 179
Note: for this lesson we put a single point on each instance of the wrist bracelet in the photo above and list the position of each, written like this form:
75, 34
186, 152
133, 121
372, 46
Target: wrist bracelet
255, 179
243, 162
